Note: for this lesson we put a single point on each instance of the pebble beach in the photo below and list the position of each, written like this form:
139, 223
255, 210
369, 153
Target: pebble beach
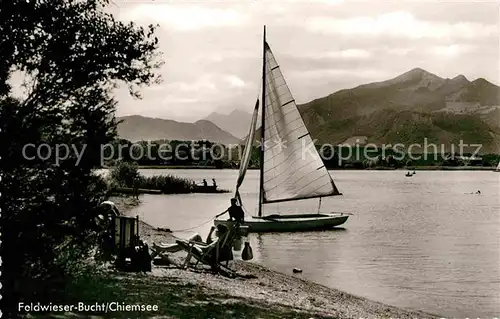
275, 294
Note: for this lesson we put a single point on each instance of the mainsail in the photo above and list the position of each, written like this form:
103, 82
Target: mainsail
292, 166
498, 167
245, 160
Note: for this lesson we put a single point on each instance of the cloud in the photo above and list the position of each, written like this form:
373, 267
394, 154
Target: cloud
400, 24
453, 50
222, 56
204, 83
323, 2
179, 100
365, 74
340, 54
185, 17
235, 81
399, 51
213, 50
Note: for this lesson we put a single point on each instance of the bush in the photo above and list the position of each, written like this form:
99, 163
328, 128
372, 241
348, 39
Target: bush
124, 174
71, 53
168, 184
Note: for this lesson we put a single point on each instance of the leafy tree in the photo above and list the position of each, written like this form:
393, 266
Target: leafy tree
125, 174
72, 54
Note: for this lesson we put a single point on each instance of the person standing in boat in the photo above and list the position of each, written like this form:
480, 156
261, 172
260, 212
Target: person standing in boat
135, 188
214, 183
205, 183
236, 213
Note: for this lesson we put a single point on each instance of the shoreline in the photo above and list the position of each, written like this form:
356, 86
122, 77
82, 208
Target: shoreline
262, 290
416, 168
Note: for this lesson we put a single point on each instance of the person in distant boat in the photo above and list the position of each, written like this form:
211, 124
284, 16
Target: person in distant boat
214, 183
205, 182
235, 212
135, 188
478, 192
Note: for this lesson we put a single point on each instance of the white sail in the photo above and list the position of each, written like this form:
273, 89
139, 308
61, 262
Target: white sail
292, 167
498, 167
245, 160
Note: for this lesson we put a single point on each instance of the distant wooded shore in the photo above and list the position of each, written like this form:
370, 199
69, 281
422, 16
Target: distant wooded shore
382, 168
207, 155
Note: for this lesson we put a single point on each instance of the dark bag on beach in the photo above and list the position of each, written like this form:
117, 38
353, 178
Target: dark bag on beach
247, 253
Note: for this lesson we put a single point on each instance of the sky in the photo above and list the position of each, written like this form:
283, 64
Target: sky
213, 49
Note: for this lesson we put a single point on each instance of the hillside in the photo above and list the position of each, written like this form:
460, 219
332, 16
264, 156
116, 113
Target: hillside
136, 128
236, 122
407, 109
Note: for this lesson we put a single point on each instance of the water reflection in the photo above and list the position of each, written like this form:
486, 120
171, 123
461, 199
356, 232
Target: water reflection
424, 243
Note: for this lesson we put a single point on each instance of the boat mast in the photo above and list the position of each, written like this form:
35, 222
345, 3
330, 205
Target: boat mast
263, 122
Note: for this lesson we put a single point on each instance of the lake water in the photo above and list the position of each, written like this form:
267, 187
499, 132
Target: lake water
423, 243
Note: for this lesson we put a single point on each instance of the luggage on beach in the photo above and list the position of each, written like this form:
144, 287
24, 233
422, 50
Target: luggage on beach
237, 244
247, 253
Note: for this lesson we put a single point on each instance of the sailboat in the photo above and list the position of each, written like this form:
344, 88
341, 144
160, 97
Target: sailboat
498, 167
286, 174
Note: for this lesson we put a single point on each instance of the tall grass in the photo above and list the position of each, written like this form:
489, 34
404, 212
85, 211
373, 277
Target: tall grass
126, 174
168, 184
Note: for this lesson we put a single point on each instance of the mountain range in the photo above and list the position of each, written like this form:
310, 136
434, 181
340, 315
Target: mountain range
136, 128
405, 109
237, 122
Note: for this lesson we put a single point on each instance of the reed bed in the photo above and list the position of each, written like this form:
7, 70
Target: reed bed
127, 175
168, 184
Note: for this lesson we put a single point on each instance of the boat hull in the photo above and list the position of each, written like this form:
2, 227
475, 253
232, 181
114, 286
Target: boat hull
286, 223
205, 189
